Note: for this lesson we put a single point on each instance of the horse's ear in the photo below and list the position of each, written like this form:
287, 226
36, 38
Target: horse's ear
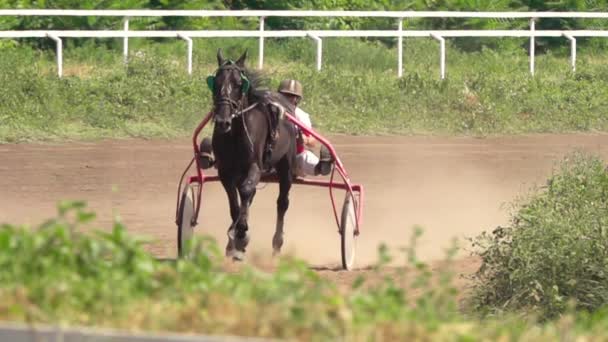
220, 57
241, 61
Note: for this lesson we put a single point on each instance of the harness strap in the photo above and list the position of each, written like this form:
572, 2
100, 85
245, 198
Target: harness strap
241, 112
281, 109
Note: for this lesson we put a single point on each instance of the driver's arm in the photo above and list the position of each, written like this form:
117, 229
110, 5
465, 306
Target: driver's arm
309, 141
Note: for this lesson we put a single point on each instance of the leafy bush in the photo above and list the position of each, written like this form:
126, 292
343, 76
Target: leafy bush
556, 249
66, 272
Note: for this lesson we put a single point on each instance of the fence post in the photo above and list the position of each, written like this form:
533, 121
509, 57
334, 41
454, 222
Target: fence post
189, 41
400, 49
59, 49
125, 41
532, 44
572, 50
319, 49
442, 53
261, 59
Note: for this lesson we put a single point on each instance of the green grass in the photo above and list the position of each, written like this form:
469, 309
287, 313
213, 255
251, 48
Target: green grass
357, 91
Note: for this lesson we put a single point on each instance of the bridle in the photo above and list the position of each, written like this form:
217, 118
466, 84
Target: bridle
236, 107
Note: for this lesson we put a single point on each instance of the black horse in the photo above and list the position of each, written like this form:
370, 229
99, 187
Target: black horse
245, 115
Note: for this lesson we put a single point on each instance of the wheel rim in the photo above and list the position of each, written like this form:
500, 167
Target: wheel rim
186, 213
347, 227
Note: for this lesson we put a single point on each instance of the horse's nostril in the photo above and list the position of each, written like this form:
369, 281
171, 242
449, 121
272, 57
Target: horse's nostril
224, 125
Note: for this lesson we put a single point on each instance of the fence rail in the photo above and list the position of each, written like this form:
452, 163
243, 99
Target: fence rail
296, 33
316, 35
20, 332
292, 13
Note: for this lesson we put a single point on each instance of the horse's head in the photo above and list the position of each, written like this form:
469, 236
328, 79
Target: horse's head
230, 87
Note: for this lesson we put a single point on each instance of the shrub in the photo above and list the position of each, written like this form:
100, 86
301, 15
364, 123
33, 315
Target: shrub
555, 250
65, 272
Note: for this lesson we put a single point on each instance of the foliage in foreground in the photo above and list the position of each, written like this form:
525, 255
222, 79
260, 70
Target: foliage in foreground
555, 252
61, 272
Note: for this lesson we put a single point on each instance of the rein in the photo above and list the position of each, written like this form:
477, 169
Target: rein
240, 113
245, 124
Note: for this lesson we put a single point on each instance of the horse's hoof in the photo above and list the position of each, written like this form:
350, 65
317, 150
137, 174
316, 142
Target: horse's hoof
241, 242
277, 243
231, 233
238, 256
230, 248
276, 252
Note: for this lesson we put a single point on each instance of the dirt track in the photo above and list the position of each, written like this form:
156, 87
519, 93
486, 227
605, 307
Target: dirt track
452, 187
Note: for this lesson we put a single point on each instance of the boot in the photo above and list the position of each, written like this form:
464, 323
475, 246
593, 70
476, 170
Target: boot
326, 162
205, 157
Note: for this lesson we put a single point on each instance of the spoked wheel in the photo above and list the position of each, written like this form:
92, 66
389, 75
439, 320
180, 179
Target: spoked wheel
348, 224
186, 211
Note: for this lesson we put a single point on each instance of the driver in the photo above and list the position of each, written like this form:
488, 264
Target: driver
307, 162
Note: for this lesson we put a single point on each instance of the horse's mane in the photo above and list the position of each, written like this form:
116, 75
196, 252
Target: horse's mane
258, 82
260, 91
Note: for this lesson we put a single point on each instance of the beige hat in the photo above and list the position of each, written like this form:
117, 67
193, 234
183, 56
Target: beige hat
292, 87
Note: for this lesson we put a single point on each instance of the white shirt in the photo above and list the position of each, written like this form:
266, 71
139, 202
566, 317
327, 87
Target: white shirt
303, 117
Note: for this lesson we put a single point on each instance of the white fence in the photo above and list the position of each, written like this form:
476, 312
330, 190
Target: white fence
316, 35
23, 332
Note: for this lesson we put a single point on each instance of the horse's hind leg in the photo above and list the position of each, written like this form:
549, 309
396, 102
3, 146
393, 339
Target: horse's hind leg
247, 191
285, 180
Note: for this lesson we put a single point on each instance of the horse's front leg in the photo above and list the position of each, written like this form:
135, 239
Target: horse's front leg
233, 201
247, 190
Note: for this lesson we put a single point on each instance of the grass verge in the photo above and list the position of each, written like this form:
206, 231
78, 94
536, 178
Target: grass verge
357, 91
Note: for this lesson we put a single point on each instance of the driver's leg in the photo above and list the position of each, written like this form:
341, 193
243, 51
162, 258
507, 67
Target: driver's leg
300, 161
206, 159
307, 161
310, 165
324, 163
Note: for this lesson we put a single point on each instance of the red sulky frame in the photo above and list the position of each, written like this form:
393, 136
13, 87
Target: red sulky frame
353, 189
